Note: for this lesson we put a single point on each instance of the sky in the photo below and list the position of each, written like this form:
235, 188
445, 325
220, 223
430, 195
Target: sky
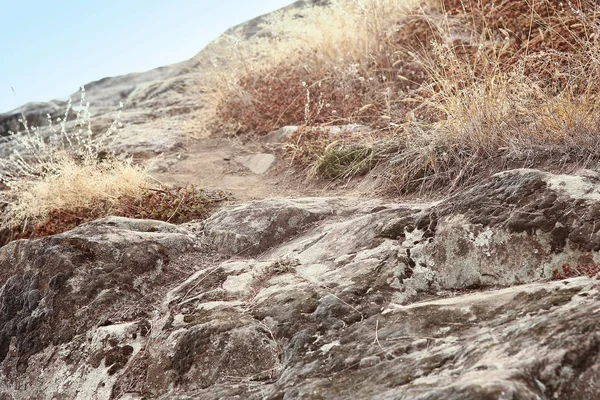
51, 48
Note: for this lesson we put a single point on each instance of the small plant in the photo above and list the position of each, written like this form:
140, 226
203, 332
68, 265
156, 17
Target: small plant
343, 161
585, 269
37, 150
176, 205
305, 145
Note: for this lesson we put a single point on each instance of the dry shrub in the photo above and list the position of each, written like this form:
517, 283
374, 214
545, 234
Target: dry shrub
82, 191
586, 266
506, 80
529, 26
72, 185
466, 87
62, 175
64, 166
334, 65
279, 98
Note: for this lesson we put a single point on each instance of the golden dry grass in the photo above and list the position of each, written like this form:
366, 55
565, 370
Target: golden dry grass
73, 185
463, 87
64, 167
329, 66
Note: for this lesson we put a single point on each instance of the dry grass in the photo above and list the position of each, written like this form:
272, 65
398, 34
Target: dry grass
175, 205
462, 87
64, 167
511, 84
331, 66
61, 176
72, 185
345, 161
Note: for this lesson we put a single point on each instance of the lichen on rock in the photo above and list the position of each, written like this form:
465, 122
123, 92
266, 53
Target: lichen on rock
314, 298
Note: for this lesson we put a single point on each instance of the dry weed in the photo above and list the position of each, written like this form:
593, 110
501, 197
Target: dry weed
463, 87
332, 65
71, 185
64, 166
63, 175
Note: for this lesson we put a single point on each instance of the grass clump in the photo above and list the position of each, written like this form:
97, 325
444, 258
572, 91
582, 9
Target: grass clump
513, 84
68, 185
174, 205
62, 175
337, 153
344, 161
306, 144
64, 166
463, 87
347, 160
318, 65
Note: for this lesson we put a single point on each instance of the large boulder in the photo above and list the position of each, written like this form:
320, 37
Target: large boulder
463, 298
256, 226
89, 292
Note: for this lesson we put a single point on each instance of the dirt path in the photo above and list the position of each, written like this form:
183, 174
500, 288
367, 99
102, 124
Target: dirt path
214, 163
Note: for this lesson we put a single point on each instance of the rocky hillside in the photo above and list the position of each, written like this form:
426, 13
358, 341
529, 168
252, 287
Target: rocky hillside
317, 298
303, 288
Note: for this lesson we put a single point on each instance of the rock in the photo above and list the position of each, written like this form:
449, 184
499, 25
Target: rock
254, 227
256, 26
257, 163
522, 342
319, 298
64, 299
36, 114
281, 135
515, 228
154, 102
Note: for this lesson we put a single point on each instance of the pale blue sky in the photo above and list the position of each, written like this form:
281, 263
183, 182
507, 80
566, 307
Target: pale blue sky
50, 48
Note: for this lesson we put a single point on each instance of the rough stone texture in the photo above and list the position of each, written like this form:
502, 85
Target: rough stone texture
255, 26
35, 114
62, 296
254, 227
343, 298
156, 105
280, 135
284, 133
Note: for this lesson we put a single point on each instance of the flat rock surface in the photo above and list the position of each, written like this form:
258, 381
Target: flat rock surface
257, 163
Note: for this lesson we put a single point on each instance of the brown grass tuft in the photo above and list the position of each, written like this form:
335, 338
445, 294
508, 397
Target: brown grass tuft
175, 205
464, 87
62, 175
